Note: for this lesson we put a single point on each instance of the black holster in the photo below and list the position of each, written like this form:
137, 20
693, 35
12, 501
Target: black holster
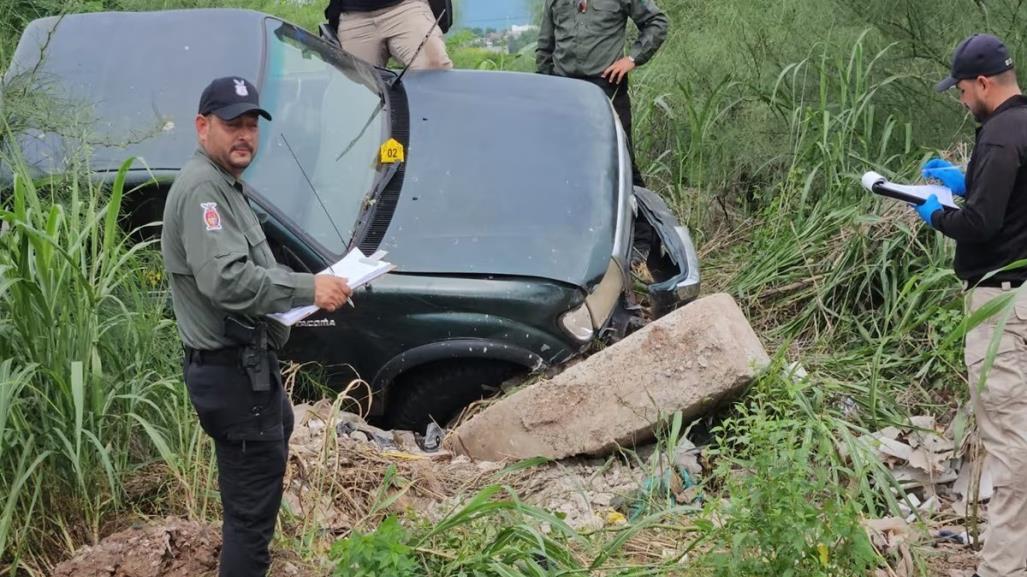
254, 357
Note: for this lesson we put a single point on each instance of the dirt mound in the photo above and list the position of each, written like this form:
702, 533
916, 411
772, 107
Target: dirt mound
173, 548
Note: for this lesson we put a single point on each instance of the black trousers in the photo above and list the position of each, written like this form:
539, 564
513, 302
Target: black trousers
251, 433
620, 96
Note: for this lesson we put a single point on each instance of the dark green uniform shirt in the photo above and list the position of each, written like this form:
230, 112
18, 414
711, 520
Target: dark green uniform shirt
576, 43
218, 259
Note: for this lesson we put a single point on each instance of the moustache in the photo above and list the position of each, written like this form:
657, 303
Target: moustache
243, 148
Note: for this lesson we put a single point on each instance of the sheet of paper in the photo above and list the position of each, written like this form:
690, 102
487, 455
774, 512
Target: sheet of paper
355, 267
921, 191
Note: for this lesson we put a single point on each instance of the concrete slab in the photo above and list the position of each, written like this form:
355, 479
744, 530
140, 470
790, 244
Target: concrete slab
689, 361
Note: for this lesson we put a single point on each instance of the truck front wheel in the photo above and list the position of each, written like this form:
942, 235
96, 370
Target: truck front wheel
439, 391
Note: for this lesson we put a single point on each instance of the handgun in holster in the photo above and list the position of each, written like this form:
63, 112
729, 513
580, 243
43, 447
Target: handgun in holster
252, 339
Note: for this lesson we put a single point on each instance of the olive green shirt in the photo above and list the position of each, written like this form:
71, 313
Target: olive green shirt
583, 44
218, 259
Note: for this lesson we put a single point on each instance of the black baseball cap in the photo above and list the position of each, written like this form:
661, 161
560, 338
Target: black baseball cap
230, 97
978, 55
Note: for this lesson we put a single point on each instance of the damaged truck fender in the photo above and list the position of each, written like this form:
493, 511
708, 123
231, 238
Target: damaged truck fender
452, 350
675, 266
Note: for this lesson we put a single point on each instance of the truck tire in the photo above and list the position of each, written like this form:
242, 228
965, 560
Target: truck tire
439, 391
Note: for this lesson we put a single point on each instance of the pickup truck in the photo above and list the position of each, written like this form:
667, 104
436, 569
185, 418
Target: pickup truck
511, 217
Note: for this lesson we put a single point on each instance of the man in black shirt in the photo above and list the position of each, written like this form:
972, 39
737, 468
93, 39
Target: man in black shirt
372, 30
991, 233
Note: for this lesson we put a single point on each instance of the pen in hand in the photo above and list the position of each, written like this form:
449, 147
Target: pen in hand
349, 299
330, 288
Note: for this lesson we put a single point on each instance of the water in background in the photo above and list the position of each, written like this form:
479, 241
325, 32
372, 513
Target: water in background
499, 14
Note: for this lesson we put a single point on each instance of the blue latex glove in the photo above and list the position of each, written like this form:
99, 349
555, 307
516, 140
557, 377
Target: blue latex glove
947, 173
928, 208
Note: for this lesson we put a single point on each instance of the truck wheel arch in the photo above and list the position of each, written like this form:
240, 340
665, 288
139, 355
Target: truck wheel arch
429, 359
454, 350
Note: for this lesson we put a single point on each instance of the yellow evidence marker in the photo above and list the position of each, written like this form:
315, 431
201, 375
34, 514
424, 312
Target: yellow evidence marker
391, 151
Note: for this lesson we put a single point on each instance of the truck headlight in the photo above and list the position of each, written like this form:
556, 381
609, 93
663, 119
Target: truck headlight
578, 323
605, 295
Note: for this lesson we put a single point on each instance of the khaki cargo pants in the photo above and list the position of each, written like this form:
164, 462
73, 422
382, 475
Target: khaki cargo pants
1000, 408
398, 30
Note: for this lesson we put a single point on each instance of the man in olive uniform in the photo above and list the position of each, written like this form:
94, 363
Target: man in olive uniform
224, 280
585, 39
991, 232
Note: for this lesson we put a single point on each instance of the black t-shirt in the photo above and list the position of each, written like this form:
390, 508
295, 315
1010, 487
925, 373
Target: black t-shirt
337, 7
991, 229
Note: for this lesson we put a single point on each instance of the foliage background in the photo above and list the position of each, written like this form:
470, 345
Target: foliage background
754, 121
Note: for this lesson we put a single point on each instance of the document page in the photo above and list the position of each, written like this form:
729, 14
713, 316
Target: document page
355, 267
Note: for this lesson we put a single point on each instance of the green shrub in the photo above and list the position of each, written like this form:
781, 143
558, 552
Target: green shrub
381, 553
786, 512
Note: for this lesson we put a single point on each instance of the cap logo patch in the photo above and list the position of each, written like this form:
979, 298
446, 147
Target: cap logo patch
240, 87
1009, 61
211, 217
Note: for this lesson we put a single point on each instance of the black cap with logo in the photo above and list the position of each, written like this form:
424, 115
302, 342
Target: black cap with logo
978, 55
230, 97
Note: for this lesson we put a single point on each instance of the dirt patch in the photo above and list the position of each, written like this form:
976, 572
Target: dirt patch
950, 561
172, 548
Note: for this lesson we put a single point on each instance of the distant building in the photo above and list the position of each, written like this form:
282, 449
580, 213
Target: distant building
516, 30
505, 40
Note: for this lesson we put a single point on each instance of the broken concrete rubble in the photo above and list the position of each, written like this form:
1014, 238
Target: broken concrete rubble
688, 361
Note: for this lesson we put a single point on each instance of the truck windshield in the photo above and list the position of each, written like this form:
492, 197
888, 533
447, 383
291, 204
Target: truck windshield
328, 123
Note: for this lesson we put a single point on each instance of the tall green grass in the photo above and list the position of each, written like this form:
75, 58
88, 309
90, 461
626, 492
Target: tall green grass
854, 286
89, 376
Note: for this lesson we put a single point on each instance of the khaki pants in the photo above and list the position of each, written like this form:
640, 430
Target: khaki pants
1000, 407
398, 30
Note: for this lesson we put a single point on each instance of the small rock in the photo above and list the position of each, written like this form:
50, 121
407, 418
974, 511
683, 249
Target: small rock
405, 440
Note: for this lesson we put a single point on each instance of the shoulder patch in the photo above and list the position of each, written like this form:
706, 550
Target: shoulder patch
211, 216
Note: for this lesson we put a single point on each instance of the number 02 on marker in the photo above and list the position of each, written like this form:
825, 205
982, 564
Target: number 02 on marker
391, 151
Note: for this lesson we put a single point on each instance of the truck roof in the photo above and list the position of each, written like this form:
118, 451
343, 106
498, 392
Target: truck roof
110, 79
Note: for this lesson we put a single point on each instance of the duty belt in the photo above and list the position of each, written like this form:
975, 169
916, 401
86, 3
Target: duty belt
228, 356
992, 283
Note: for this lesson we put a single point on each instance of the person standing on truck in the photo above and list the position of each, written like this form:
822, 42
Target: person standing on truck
585, 39
990, 233
224, 280
372, 30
